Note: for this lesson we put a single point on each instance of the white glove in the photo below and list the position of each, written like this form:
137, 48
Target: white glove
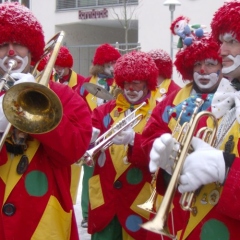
3, 119
95, 133
22, 78
160, 153
125, 137
205, 165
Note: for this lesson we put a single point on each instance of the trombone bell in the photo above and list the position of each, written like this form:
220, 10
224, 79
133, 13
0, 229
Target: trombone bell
32, 108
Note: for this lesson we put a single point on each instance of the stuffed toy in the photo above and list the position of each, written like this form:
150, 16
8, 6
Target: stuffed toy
187, 33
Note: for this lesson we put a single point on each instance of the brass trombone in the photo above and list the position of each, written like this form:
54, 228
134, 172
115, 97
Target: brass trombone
33, 107
160, 221
105, 140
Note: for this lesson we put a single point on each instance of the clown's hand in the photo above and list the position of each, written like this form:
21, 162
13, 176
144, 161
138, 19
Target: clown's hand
3, 120
22, 78
203, 166
160, 155
124, 137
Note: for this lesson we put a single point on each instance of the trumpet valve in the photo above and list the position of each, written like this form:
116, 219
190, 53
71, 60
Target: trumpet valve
88, 160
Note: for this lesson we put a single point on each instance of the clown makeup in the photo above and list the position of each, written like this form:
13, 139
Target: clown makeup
61, 71
207, 74
135, 90
230, 52
108, 69
17, 52
22, 63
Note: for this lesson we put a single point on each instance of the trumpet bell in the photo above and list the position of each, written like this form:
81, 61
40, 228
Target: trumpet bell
32, 108
159, 227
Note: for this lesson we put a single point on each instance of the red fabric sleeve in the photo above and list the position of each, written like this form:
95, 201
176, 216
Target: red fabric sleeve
75, 128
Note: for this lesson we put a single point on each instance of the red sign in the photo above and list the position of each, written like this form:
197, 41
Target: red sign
93, 14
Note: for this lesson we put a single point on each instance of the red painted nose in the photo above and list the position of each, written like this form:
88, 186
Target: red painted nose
202, 71
11, 52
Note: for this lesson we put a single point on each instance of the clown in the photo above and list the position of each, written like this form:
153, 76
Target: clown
201, 64
187, 33
165, 67
101, 72
63, 70
121, 179
102, 75
35, 169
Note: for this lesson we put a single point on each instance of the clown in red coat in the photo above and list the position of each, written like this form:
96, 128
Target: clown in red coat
201, 61
101, 75
121, 179
35, 169
64, 72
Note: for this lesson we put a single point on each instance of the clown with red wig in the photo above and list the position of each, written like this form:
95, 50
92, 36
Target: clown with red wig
64, 74
121, 178
165, 85
214, 171
35, 169
101, 72
63, 70
200, 64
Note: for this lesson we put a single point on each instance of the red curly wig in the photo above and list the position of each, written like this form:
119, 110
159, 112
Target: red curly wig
64, 58
136, 66
105, 53
226, 20
19, 25
199, 50
163, 62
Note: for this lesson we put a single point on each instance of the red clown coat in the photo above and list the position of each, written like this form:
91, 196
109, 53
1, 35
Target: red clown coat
218, 212
121, 178
74, 80
37, 204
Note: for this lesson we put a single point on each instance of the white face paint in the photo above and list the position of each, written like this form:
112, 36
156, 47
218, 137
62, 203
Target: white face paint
230, 39
213, 80
60, 73
133, 96
23, 63
236, 64
108, 69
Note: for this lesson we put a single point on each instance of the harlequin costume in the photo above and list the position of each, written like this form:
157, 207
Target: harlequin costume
65, 60
40, 196
165, 115
121, 179
104, 54
34, 184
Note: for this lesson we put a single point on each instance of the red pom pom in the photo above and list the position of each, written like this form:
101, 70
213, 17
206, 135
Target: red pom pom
174, 114
64, 58
105, 54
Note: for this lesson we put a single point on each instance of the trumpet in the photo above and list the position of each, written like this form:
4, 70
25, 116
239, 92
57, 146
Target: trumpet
105, 140
186, 133
33, 107
149, 204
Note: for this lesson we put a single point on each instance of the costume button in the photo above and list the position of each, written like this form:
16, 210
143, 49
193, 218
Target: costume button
9, 209
117, 184
22, 165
